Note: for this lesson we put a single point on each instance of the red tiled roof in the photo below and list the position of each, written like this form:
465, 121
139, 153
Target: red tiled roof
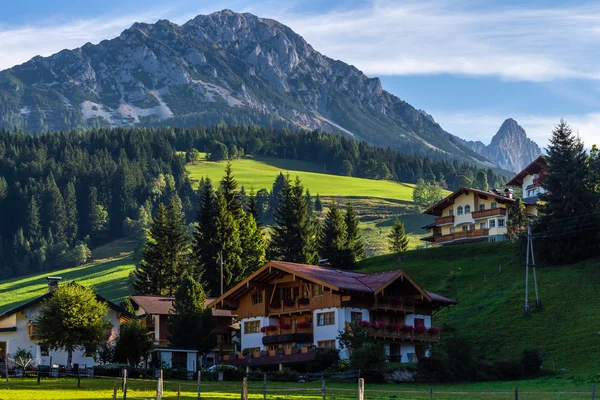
161, 305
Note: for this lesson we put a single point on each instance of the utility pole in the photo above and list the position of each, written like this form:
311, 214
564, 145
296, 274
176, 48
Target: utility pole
538, 301
526, 308
221, 260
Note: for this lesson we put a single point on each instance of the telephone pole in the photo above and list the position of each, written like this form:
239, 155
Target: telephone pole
530, 253
221, 261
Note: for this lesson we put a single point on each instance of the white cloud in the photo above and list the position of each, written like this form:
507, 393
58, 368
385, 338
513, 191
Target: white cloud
459, 37
482, 126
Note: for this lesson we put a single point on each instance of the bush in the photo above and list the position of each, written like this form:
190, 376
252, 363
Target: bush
325, 359
370, 359
531, 362
508, 369
285, 375
436, 367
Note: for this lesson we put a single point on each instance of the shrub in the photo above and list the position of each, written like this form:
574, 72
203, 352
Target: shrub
370, 359
436, 367
285, 375
325, 359
433, 331
531, 362
508, 369
364, 324
378, 324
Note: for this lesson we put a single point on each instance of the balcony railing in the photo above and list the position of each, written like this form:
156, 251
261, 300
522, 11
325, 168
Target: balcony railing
285, 306
488, 213
400, 334
292, 329
444, 220
394, 303
463, 235
272, 357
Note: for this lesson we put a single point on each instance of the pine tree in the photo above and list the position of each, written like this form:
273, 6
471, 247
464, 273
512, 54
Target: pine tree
230, 193
253, 207
482, 181
398, 239
294, 232
151, 276
518, 219
55, 212
355, 244
98, 216
309, 202
34, 227
318, 204
227, 241
276, 191
72, 221
243, 199
205, 251
253, 245
333, 240
568, 198
191, 324
179, 246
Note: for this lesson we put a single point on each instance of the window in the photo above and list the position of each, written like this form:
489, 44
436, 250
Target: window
44, 351
450, 212
317, 290
467, 209
327, 318
481, 207
492, 223
459, 210
465, 228
356, 316
251, 327
179, 360
326, 344
419, 322
492, 240
501, 223
531, 192
452, 230
494, 204
482, 225
257, 297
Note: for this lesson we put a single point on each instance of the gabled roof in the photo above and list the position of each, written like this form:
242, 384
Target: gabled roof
535, 167
45, 296
447, 201
162, 305
335, 279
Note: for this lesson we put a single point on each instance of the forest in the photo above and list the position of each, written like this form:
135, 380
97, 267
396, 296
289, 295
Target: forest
64, 192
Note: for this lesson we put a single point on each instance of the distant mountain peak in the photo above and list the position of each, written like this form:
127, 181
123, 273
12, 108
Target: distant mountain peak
510, 148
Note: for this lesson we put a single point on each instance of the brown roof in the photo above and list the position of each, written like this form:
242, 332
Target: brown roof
161, 305
438, 207
537, 166
335, 279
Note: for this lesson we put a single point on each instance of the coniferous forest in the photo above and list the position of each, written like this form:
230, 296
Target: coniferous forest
64, 192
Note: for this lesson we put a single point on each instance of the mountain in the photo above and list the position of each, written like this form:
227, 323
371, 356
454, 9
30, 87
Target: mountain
510, 148
223, 67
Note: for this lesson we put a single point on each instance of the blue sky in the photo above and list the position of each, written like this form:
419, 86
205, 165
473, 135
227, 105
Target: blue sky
469, 63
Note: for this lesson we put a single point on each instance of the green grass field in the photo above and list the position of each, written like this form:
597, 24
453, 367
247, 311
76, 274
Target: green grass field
488, 281
99, 388
261, 173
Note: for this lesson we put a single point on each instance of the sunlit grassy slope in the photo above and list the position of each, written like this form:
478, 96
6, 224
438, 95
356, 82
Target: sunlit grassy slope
488, 280
261, 173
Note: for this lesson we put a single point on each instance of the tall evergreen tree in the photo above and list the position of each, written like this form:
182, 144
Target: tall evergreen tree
98, 216
253, 207
309, 202
72, 220
253, 245
333, 240
227, 242
151, 276
277, 190
355, 244
397, 238
204, 249
55, 212
482, 181
230, 193
518, 219
34, 227
294, 231
564, 226
191, 324
318, 204
179, 246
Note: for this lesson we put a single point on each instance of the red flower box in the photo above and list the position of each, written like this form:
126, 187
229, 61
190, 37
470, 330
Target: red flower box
268, 328
420, 329
378, 324
408, 328
392, 327
285, 326
303, 325
433, 331
364, 324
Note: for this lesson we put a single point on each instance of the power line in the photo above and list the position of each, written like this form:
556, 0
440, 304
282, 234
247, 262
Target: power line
567, 227
571, 232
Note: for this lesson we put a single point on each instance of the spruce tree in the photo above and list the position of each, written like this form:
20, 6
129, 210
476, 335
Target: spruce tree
294, 232
230, 192
253, 245
243, 199
253, 207
98, 216
179, 246
318, 204
72, 221
482, 181
151, 276
564, 226
397, 239
227, 243
191, 324
518, 219
309, 201
276, 191
55, 212
34, 227
333, 240
355, 244
205, 250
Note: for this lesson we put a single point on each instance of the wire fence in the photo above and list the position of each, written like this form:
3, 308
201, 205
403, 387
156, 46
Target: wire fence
251, 388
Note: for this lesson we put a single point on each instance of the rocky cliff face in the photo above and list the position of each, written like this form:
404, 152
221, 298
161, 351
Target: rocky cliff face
510, 147
222, 67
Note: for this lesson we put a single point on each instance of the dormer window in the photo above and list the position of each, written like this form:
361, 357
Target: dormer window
467, 209
459, 210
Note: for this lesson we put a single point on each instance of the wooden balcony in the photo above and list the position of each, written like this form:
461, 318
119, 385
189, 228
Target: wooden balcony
492, 212
444, 220
394, 304
401, 335
477, 234
292, 329
287, 306
271, 357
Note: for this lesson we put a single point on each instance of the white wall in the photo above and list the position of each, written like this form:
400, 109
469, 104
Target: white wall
410, 319
254, 339
331, 332
20, 339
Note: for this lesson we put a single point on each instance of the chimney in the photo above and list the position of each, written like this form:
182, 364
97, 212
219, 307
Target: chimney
53, 283
508, 193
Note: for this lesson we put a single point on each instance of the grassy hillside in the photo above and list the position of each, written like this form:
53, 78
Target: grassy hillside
260, 173
107, 275
490, 302
377, 203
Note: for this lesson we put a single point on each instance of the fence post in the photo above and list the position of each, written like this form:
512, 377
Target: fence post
78, 379
516, 393
124, 383
245, 389
6, 367
179, 392
199, 379
265, 387
323, 387
361, 389
159, 386
430, 392
115, 390
38, 375
593, 391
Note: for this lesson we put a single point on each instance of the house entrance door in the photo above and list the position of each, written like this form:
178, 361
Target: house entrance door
395, 353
